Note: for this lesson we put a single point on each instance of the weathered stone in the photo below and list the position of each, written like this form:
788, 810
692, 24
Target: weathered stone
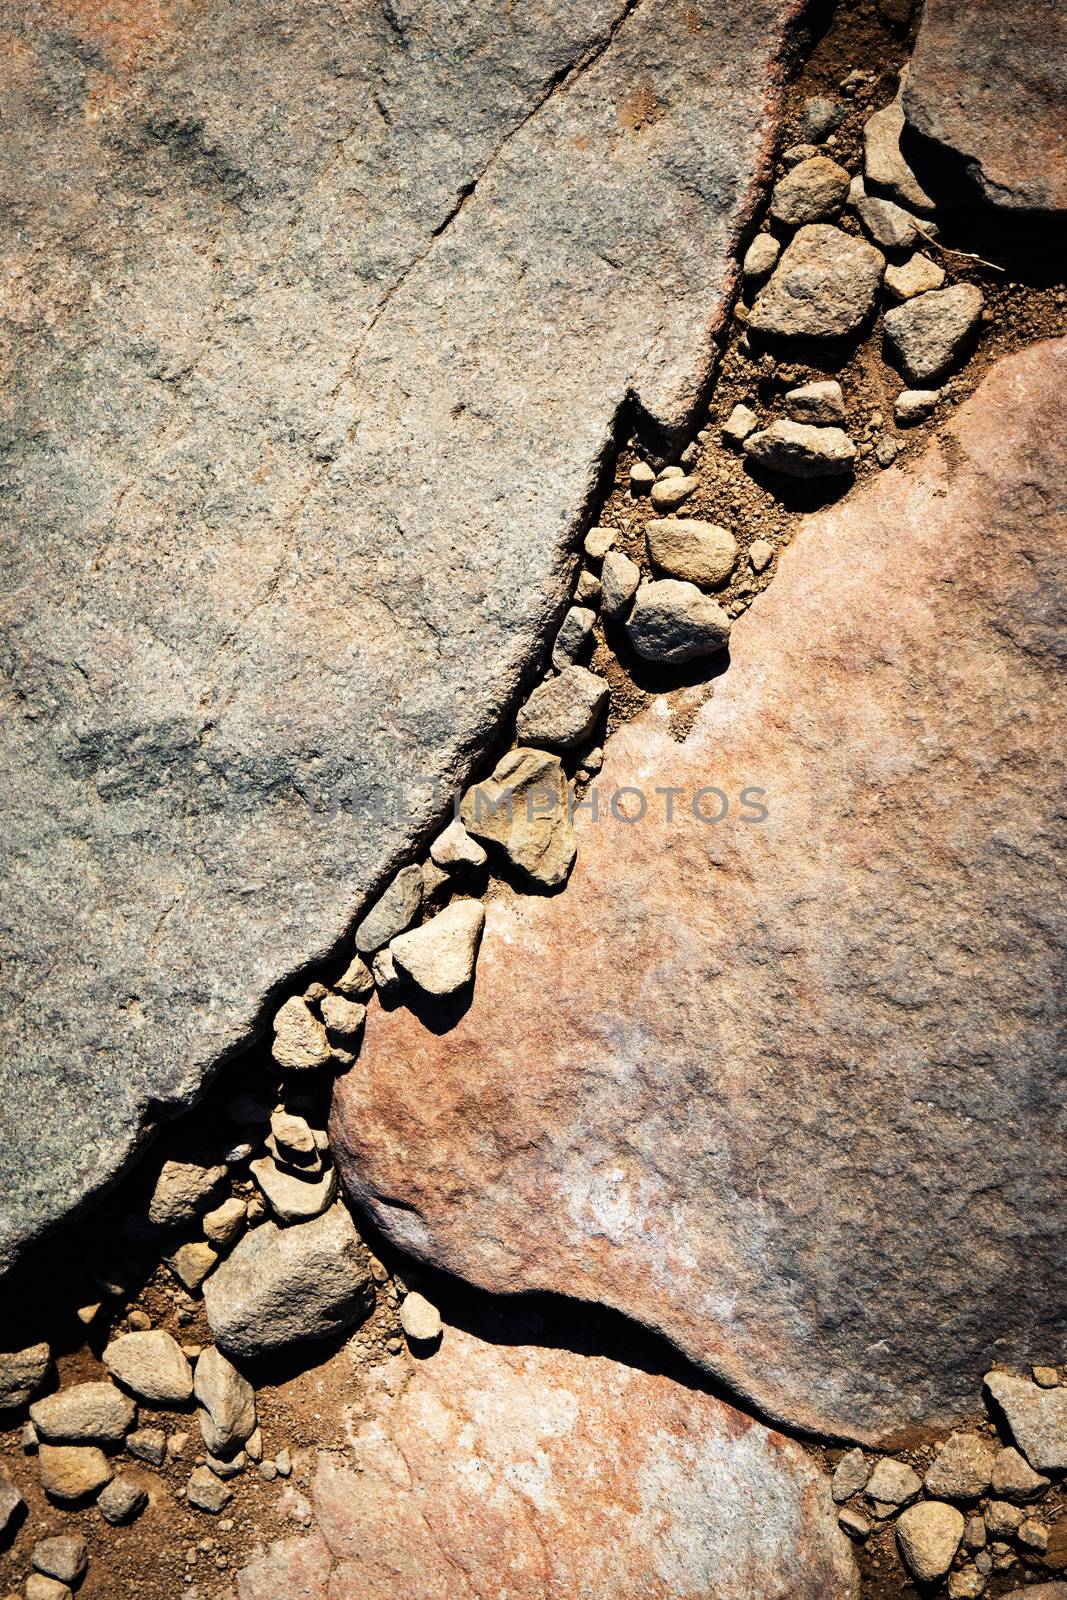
420, 1320
991, 85
563, 711
1013, 1478
850, 1476
152, 1365
22, 1373
642, 477
674, 622
1033, 1535
191, 1263
962, 1468
619, 580
966, 1583
40, 1587
821, 117
853, 1522
669, 493
813, 191
356, 982
760, 554
1037, 1419
914, 405
122, 1501
893, 1482
820, 403
440, 955
73, 1472
824, 287
455, 850
11, 1503
574, 637
735, 1008
884, 163
283, 535
282, 1286
932, 333
294, 1197
224, 1225
801, 451
394, 911
85, 1411
207, 1492
1040, 1591
64, 1556
538, 1472
761, 258
227, 1401
739, 424
148, 1444
698, 552
917, 275
928, 1536
343, 1018
185, 1189
598, 541
887, 224
1001, 1518
522, 810
1045, 1377
300, 1042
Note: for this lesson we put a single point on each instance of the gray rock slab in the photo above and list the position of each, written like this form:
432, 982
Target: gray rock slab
292, 346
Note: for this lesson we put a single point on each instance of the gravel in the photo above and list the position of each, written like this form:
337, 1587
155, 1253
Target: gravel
914, 405
699, 552
668, 493
573, 637
889, 226
824, 287
206, 1492
931, 333
674, 622
151, 1365
884, 165
1036, 1417
562, 712
1013, 1478
11, 1503
64, 1556
184, 1190
850, 1476
962, 1468
122, 1501
420, 1320
291, 1197
300, 1042
815, 190
917, 275
521, 809
820, 403
455, 850
619, 578
801, 451
739, 424
85, 1412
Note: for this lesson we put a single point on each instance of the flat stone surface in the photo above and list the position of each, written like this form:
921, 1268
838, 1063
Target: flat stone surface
657, 1062
292, 346
990, 83
525, 1473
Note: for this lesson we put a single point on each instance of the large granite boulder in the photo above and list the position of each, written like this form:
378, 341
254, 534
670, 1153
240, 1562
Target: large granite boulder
320, 319
787, 1090
529, 1473
989, 82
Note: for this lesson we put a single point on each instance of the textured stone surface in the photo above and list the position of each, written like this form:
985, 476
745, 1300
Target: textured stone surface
735, 1071
824, 286
526, 1473
990, 83
1037, 1419
266, 322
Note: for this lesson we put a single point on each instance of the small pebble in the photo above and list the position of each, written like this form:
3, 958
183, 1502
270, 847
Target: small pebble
739, 424
642, 478
598, 541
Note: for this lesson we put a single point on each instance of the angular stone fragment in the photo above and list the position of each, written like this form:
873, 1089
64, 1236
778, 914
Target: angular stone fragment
914, 405
598, 541
932, 333
674, 622
394, 911
455, 850
739, 424
824, 287
64, 1556
1001, 1518
962, 1468
148, 1444
294, 1197
619, 580
206, 1492
191, 1263
990, 84
152, 1365
72, 1472
563, 711
21, 1373
342, 1017
884, 164
736, 1007
283, 1286
11, 1503
801, 451
915, 276
820, 403
226, 1223
1013, 1478
1037, 1419
537, 1472
440, 955
183, 1190
300, 1042
850, 1476
40, 1587
893, 1482
295, 342
928, 1536
698, 552
227, 1403
122, 1501
813, 191
522, 810
85, 1411
887, 224
573, 637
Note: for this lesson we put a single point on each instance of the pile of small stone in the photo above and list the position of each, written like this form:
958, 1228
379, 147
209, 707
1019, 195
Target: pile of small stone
973, 1512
